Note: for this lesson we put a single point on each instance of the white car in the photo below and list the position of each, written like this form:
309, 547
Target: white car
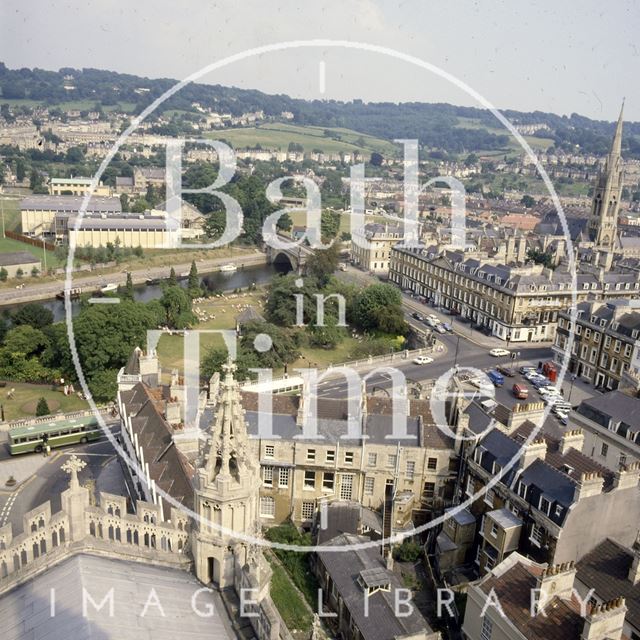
533, 375
549, 391
440, 329
498, 353
433, 322
422, 360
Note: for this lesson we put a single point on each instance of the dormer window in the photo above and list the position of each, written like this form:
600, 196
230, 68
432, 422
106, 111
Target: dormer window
522, 489
375, 579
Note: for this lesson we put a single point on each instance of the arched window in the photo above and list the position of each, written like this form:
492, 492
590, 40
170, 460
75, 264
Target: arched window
129, 536
163, 543
3, 569
136, 537
16, 562
153, 541
180, 525
100, 534
34, 526
111, 533
146, 539
180, 545
41, 523
61, 533
118, 536
36, 552
54, 539
169, 545
92, 528
43, 546
110, 510
146, 517
117, 512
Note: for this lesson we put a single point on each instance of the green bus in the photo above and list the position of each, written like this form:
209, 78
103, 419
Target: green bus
57, 432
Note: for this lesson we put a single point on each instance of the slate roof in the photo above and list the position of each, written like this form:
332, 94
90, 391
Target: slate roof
606, 569
67, 204
513, 589
345, 569
167, 466
25, 610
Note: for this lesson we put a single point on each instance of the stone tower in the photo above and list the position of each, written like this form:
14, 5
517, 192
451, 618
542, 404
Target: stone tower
603, 221
226, 493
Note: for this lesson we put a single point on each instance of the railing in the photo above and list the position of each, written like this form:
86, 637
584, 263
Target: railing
83, 413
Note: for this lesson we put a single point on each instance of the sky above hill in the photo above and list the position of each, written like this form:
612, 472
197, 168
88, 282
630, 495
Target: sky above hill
578, 56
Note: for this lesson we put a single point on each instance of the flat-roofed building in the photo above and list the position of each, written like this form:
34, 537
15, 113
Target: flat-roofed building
379, 239
76, 187
19, 261
38, 213
126, 230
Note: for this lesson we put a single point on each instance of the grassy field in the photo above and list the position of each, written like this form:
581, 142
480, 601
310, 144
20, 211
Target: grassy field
7, 245
10, 208
289, 603
278, 136
80, 105
26, 396
299, 218
537, 144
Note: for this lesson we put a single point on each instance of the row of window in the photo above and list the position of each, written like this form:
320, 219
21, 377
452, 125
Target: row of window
372, 459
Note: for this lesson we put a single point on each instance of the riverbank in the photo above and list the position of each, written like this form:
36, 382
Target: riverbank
36, 291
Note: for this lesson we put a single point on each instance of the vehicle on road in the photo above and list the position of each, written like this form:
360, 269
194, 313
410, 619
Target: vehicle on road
440, 329
496, 377
499, 352
505, 371
549, 390
422, 360
447, 327
57, 432
419, 317
520, 391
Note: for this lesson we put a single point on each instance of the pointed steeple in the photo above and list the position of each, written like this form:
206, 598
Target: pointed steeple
603, 221
616, 147
227, 455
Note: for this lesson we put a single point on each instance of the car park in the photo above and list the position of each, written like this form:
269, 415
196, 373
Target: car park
499, 352
422, 360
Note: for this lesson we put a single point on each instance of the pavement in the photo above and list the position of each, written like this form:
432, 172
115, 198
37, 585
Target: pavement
34, 290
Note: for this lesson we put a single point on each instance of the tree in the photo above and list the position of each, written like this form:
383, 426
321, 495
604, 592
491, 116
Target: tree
33, 314
19, 272
379, 308
21, 170
376, 159
128, 287
193, 284
124, 201
35, 272
4, 274
177, 307
26, 339
103, 385
528, 201
322, 263
42, 409
173, 280
105, 336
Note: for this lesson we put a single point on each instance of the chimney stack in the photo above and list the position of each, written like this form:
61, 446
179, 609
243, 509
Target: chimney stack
556, 581
628, 477
572, 439
535, 450
590, 484
605, 621
634, 569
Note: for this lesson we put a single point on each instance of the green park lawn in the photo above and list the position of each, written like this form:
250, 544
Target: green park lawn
26, 396
8, 245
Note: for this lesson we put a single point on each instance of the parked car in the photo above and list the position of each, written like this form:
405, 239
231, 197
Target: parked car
499, 353
496, 377
520, 391
505, 371
422, 360
526, 369
533, 375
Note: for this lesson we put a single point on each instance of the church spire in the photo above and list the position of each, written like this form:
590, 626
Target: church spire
603, 222
227, 455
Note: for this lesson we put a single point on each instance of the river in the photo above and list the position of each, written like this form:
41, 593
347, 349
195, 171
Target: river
217, 281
